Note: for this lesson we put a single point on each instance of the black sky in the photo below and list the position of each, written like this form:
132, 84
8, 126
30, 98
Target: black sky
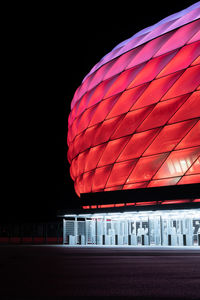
74, 40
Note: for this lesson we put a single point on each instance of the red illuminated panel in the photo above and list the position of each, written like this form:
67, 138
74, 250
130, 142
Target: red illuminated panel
139, 185
87, 182
195, 168
104, 130
196, 200
145, 203
151, 69
85, 140
100, 177
178, 163
100, 91
119, 204
169, 137
196, 61
79, 184
156, 90
189, 110
120, 173
84, 119
121, 83
126, 100
114, 147
182, 59
113, 188
192, 138
187, 83
80, 164
190, 179
180, 37
131, 121
102, 109
164, 182
162, 112
139, 142
86, 207
93, 157
175, 201
146, 168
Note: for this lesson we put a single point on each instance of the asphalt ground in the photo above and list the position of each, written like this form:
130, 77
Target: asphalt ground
60, 272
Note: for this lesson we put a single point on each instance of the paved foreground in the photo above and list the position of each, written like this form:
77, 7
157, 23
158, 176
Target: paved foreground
32, 272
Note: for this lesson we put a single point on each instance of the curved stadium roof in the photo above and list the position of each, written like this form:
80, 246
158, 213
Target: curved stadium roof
135, 118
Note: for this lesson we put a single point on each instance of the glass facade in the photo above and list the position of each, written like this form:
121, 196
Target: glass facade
149, 228
135, 119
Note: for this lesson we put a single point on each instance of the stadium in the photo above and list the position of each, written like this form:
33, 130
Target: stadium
134, 141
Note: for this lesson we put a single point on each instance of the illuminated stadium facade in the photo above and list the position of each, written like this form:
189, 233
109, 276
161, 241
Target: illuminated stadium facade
134, 140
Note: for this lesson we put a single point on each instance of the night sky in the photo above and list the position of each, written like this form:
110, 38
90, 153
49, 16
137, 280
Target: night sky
78, 37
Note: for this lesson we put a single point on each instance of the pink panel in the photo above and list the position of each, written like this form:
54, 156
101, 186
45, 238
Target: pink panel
156, 90
189, 110
162, 112
99, 75
120, 173
131, 121
195, 37
149, 50
182, 60
102, 109
112, 151
84, 102
126, 100
178, 163
192, 138
93, 157
100, 177
164, 182
195, 168
139, 185
151, 69
146, 168
130, 46
119, 65
121, 83
137, 144
104, 130
180, 37
187, 83
169, 137
190, 179
100, 91
185, 19
84, 86
158, 30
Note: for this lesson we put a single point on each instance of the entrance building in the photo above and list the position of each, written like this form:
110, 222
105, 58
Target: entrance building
136, 228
